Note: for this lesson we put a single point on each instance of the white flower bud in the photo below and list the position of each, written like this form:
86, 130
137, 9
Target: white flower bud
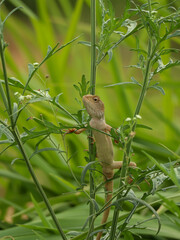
21, 98
128, 119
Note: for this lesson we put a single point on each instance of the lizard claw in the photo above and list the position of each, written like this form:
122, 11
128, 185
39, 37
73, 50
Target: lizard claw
75, 130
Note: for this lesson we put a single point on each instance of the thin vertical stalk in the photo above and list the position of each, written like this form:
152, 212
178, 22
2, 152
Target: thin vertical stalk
17, 138
93, 46
39, 187
6, 97
92, 84
126, 158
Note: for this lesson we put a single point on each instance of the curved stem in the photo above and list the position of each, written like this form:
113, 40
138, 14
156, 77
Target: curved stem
126, 158
18, 140
39, 187
6, 97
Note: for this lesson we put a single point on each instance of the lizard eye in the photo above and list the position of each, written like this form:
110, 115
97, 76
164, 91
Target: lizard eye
95, 99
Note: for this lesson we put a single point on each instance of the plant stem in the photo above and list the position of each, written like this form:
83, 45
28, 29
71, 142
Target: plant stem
92, 84
6, 97
39, 187
126, 158
14, 130
93, 46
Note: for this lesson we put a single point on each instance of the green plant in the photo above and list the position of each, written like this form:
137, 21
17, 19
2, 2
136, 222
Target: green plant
42, 142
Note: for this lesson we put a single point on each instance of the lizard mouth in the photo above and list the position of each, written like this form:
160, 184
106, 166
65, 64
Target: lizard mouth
92, 110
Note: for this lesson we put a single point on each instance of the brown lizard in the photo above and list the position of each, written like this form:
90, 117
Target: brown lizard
104, 147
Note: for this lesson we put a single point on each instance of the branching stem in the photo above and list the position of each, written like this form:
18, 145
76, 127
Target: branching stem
14, 130
126, 158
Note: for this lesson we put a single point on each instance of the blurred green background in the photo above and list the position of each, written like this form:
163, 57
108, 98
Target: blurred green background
29, 32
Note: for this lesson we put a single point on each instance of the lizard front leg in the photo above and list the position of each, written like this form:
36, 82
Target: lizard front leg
118, 164
76, 131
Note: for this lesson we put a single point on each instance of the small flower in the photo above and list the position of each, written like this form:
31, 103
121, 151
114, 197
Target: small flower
132, 134
128, 119
21, 98
28, 96
16, 93
138, 116
36, 64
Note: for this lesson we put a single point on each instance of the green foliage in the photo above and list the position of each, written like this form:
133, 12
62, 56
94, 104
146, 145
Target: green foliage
42, 115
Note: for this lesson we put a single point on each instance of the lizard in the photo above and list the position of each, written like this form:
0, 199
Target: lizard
104, 148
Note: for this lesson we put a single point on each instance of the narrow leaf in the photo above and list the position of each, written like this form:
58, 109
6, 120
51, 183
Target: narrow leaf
49, 50
175, 34
85, 43
57, 98
43, 218
37, 151
85, 169
121, 83
4, 130
14, 10
110, 54
143, 126
134, 199
155, 86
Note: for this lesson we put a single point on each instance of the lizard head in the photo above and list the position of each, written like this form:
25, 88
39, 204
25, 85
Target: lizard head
94, 106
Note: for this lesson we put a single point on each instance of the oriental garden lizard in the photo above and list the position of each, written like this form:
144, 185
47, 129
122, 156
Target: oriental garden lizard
104, 147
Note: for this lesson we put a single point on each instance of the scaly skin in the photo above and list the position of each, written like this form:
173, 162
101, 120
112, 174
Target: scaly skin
104, 147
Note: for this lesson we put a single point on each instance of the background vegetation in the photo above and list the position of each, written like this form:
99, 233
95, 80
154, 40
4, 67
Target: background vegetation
28, 32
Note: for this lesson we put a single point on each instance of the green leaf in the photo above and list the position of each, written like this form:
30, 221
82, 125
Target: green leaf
56, 99
162, 67
143, 126
135, 81
96, 207
83, 88
49, 51
14, 176
14, 10
128, 235
157, 181
30, 134
140, 201
170, 173
121, 83
17, 83
175, 34
49, 125
175, 154
85, 169
24, 8
2, 2
31, 69
110, 54
64, 183
43, 218
37, 151
85, 43
155, 86
170, 205
5, 131
130, 25
40, 228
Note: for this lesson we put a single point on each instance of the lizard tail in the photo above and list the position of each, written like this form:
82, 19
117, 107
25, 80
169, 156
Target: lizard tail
108, 191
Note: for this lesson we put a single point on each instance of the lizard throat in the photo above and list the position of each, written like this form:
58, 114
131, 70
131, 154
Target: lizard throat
95, 113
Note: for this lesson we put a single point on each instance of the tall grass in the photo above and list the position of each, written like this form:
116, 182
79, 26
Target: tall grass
61, 21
